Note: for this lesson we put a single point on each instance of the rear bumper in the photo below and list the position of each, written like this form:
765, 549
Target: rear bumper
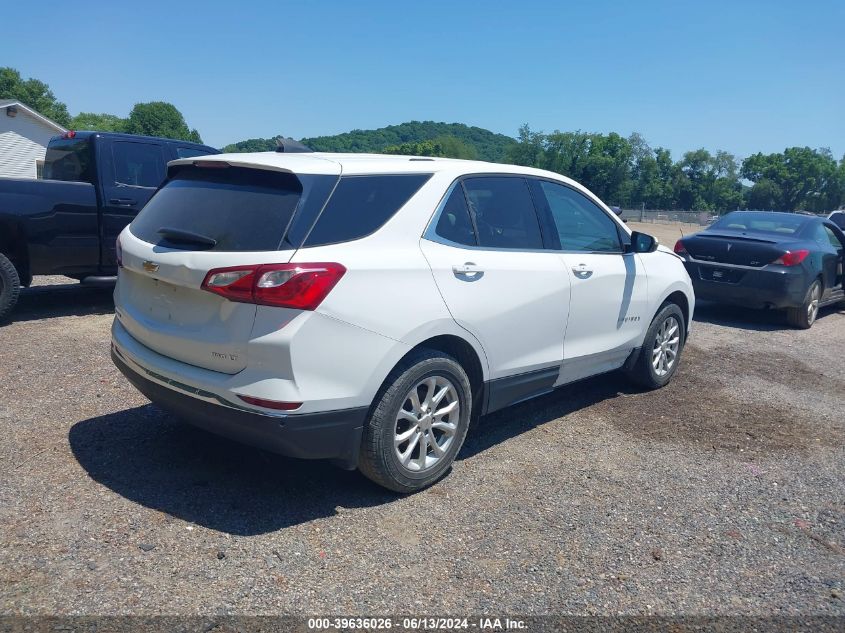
763, 288
334, 435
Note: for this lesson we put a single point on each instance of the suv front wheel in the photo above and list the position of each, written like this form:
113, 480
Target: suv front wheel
661, 350
418, 422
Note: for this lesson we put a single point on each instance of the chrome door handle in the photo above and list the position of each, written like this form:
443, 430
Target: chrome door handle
469, 268
581, 271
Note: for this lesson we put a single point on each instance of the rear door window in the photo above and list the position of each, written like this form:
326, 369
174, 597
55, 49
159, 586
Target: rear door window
360, 205
137, 164
504, 212
240, 209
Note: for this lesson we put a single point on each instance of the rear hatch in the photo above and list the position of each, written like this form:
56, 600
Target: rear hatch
727, 247
209, 215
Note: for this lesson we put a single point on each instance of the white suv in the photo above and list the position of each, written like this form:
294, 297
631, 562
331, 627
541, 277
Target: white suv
366, 308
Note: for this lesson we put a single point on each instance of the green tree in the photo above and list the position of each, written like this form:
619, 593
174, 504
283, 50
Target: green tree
97, 122
765, 195
159, 118
808, 179
36, 94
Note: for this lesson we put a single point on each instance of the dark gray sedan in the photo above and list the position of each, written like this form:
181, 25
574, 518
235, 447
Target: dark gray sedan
768, 260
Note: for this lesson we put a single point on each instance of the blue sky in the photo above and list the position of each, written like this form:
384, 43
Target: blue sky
740, 76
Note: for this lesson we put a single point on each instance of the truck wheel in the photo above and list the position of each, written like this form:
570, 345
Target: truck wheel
661, 350
10, 286
418, 423
804, 316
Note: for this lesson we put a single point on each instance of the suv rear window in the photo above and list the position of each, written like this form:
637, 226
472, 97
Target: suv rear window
241, 209
70, 160
360, 205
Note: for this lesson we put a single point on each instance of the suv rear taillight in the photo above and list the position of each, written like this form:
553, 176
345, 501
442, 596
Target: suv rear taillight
298, 286
792, 258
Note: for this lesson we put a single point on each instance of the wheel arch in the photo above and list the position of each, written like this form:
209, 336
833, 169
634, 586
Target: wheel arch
13, 246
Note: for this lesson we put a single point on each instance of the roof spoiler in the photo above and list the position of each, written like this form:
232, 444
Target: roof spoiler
289, 146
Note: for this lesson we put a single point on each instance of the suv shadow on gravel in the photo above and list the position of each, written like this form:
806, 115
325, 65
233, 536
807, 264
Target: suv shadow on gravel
148, 457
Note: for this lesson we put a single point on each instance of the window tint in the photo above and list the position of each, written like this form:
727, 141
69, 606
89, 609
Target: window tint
454, 223
581, 224
362, 204
242, 209
761, 222
137, 164
188, 152
832, 238
69, 159
504, 213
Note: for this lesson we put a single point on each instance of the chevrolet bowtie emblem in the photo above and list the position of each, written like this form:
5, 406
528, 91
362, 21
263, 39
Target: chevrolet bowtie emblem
150, 267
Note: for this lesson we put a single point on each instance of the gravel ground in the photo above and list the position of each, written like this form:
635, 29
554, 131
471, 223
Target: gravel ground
723, 493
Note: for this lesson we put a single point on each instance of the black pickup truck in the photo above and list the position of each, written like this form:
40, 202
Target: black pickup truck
93, 184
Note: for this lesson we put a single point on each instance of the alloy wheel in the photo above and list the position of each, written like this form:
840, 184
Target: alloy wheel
664, 354
426, 424
813, 307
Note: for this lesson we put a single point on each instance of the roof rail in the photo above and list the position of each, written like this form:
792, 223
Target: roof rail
290, 146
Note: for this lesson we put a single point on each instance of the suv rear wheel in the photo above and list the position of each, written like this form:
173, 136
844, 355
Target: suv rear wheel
418, 423
10, 287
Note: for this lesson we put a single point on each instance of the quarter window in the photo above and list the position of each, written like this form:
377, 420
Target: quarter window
362, 204
504, 213
454, 223
581, 224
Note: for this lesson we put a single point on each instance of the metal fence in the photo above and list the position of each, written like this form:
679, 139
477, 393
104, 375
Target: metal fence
700, 218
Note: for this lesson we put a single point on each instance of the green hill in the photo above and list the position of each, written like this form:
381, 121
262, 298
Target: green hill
488, 145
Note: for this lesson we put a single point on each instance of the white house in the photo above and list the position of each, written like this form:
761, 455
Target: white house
24, 134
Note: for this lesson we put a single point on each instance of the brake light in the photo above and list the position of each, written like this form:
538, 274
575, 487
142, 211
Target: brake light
118, 252
271, 404
298, 286
792, 258
680, 249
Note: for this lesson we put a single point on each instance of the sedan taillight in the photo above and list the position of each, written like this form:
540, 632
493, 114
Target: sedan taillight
792, 258
680, 249
298, 286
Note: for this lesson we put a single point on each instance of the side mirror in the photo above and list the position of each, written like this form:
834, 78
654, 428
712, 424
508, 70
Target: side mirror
642, 243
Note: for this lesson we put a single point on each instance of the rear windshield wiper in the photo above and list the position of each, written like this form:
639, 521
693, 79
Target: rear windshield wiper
180, 236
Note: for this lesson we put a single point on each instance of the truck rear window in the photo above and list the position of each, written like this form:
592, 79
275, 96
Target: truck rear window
69, 160
240, 209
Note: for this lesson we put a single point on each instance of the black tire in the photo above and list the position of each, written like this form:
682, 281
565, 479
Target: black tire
378, 460
803, 317
10, 287
643, 371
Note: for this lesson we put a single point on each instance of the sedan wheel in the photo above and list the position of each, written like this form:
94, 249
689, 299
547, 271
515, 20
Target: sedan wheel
806, 314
